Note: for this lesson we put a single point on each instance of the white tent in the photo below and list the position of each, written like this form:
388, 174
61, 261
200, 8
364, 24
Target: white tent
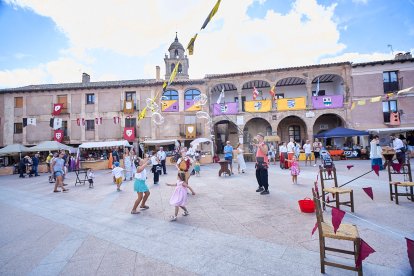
50, 146
104, 145
406, 92
159, 142
198, 141
13, 149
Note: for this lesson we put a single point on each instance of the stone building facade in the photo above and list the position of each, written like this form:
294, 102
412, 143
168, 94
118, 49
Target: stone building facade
308, 100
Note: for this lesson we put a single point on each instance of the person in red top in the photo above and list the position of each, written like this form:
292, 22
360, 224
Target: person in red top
262, 163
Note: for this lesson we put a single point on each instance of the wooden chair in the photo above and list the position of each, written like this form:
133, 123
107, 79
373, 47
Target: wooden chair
224, 168
408, 183
346, 232
329, 175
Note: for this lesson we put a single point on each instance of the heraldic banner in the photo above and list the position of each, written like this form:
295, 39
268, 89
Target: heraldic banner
58, 135
169, 106
225, 108
291, 104
57, 108
258, 106
329, 101
128, 107
129, 134
190, 131
189, 105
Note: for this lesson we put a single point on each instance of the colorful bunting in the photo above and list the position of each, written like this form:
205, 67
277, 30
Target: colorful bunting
349, 167
361, 102
314, 228
142, 114
211, 14
375, 99
353, 106
396, 167
172, 77
368, 191
410, 252
376, 169
190, 46
365, 251
337, 216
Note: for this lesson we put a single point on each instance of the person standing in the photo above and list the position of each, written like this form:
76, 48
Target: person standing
127, 165
49, 161
35, 164
183, 165
241, 165
375, 153
290, 150
140, 187
58, 167
155, 164
115, 155
272, 154
262, 163
162, 156
317, 146
399, 148
283, 156
307, 147
228, 155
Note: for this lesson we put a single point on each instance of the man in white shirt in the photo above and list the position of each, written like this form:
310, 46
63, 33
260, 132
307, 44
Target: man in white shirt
162, 156
291, 145
399, 148
307, 147
155, 163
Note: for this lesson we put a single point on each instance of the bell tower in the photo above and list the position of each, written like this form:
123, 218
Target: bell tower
176, 53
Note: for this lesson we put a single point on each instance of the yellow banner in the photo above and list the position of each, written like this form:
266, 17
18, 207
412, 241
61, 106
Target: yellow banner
291, 104
361, 102
375, 99
258, 106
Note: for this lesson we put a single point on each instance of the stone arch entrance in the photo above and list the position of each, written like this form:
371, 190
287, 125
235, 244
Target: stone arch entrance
330, 121
225, 130
254, 126
292, 127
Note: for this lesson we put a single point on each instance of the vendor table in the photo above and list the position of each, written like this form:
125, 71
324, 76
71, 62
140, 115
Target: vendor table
81, 176
336, 152
224, 167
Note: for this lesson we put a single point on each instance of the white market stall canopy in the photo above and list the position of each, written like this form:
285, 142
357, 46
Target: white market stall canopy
200, 140
159, 142
13, 149
391, 130
51, 146
105, 145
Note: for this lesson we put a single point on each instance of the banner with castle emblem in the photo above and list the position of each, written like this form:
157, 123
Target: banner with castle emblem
189, 105
169, 106
328, 101
225, 108
258, 106
291, 104
58, 135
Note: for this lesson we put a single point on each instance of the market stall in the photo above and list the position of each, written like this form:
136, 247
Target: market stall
99, 161
8, 153
169, 146
206, 148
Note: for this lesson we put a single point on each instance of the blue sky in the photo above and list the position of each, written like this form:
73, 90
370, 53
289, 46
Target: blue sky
116, 40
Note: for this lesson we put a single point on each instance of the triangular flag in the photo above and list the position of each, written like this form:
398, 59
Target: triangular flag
349, 167
353, 105
375, 99
221, 96
24, 122
190, 46
368, 191
272, 92
142, 114
396, 167
337, 216
255, 93
361, 102
211, 14
376, 169
314, 228
31, 121
410, 252
365, 251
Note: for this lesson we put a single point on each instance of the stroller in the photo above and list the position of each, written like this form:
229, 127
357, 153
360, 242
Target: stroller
327, 161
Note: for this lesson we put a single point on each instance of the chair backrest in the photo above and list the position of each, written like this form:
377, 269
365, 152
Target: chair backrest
407, 171
318, 207
327, 174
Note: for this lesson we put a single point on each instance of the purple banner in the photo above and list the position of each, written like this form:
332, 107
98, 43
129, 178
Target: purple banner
189, 105
328, 101
225, 108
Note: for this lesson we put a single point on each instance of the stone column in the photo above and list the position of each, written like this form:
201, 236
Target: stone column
82, 115
309, 92
96, 115
239, 95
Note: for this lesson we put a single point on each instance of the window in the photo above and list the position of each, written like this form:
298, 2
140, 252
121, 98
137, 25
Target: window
176, 54
170, 95
390, 81
18, 102
236, 99
65, 128
131, 96
90, 124
172, 67
281, 95
294, 132
130, 122
387, 108
18, 128
90, 98
180, 69
191, 94
321, 93
63, 99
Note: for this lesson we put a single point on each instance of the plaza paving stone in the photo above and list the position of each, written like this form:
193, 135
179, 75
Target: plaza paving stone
231, 229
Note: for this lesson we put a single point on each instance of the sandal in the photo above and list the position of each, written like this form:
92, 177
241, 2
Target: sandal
56, 191
65, 190
173, 218
186, 213
134, 212
144, 207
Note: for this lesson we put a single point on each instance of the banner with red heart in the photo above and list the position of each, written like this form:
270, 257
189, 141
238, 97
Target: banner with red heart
129, 134
58, 135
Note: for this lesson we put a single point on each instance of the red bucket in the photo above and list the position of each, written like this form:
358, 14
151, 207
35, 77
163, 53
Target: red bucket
306, 205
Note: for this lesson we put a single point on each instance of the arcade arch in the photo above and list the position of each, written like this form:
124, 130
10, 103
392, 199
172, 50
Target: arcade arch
225, 130
292, 127
254, 126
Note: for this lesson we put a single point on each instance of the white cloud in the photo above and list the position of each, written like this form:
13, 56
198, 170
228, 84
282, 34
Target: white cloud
232, 42
360, 1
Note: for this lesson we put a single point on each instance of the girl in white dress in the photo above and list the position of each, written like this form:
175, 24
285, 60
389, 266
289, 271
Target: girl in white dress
241, 165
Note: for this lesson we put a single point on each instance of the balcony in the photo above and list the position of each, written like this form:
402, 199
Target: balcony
328, 101
288, 104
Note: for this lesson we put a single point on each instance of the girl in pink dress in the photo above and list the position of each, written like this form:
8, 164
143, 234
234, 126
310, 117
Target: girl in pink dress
294, 169
179, 197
